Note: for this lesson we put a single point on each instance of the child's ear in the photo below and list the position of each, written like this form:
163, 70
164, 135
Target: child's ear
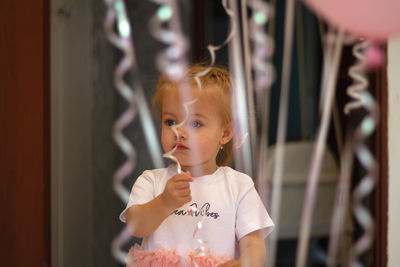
227, 134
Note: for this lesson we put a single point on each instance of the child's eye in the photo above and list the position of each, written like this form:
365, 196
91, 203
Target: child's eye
170, 122
195, 124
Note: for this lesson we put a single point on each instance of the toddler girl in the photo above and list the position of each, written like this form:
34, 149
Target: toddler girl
166, 205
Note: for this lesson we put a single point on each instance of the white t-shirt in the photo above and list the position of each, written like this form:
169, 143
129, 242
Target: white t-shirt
228, 200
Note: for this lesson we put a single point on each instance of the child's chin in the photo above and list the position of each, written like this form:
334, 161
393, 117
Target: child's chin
185, 162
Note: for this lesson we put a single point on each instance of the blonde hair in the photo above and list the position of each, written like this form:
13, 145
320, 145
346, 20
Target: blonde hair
221, 80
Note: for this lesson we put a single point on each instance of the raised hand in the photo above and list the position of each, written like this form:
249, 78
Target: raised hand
177, 190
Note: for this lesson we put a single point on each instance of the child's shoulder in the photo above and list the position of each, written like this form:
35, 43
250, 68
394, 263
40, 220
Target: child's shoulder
155, 171
236, 176
238, 183
158, 173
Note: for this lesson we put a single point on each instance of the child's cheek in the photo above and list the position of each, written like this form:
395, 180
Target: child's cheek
164, 142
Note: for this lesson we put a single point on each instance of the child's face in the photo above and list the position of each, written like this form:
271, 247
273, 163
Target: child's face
201, 136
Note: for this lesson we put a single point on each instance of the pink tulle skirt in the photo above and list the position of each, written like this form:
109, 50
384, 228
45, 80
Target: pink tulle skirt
137, 257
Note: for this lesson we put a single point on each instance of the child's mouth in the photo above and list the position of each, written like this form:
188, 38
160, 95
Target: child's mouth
180, 147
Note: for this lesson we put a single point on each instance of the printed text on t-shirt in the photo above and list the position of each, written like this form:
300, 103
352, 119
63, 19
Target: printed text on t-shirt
203, 211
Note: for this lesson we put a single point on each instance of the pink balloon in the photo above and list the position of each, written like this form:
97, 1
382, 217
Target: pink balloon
372, 19
374, 57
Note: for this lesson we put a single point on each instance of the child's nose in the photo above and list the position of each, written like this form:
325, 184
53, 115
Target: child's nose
181, 133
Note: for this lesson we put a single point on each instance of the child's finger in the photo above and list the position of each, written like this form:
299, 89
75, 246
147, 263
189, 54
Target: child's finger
182, 177
186, 189
184, 193
188, 199
182, 185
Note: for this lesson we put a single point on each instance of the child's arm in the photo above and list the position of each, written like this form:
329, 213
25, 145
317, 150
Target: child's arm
252, 251
142, 220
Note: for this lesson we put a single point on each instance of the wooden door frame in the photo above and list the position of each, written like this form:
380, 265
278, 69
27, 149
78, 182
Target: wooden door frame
379, 88
25, 133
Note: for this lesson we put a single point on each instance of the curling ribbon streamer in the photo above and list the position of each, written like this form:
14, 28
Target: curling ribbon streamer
264, 73
173, 59
243, 158
264, 76
126, 118
341, 202
253, 134
357, 72
362, 99
173, 63
329, 80
241, 138
116, 13
263, 45
329, 39
213, 48
282, 126
203, 249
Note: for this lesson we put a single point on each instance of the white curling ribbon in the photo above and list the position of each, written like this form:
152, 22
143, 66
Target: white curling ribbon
116, 14
360, 81
331, 65
263, 45
172, 62
361, 98
126, 118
